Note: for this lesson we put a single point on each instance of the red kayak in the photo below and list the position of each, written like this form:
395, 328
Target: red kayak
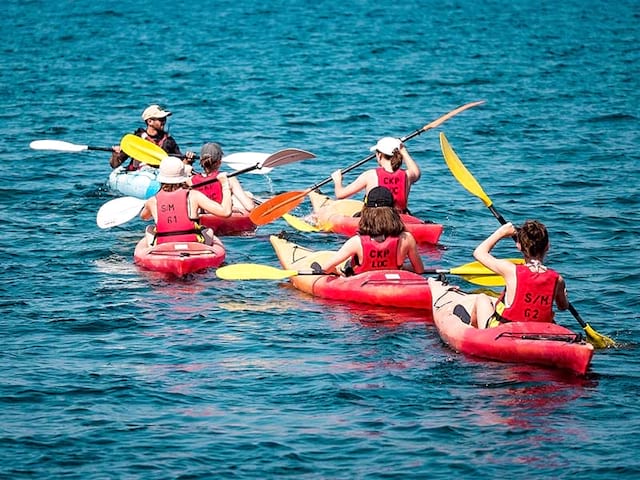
178, 258
337, 216
392, 288
546, 344
237, 224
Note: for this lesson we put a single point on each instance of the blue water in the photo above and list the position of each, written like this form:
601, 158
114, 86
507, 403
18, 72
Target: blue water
111, 372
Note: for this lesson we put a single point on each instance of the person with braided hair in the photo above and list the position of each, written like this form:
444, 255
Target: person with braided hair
210, 161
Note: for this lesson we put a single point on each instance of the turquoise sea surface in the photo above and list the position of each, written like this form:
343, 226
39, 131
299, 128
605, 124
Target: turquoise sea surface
109, 371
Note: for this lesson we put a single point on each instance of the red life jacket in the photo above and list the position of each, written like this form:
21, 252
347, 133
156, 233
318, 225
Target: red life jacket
377, 255
212, 190
396, 182
159, 142
535, 292
173, 223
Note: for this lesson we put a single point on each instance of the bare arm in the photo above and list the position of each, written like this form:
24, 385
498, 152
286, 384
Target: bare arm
363, 182
413, 170
118, 157
245, 200
350, 248
561, 298
149, 210
410, 249
222, 209
482, 253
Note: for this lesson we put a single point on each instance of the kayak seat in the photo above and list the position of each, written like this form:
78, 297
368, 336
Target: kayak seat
462, 313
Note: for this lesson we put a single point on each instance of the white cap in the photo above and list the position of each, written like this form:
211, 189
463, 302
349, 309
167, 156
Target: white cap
386, 145
154, 111
172, 171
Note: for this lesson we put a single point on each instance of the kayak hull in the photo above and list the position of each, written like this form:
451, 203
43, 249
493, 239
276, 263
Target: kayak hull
337, 216
139, 183
536, 343
238, 223
390, 288
178, 258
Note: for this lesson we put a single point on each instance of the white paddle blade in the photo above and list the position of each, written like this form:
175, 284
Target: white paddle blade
288, 155
259, 171
118, 211
241, 160
57, 145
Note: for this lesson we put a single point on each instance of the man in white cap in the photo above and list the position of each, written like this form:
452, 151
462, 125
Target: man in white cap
155, 119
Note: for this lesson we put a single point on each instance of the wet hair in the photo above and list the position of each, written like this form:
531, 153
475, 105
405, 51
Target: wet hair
380, 221
533, 238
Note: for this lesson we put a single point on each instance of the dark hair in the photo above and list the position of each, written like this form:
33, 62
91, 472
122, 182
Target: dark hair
395, 159
172, 187
533, 238
377, 221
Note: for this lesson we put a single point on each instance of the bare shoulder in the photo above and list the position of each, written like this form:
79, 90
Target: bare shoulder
407, 237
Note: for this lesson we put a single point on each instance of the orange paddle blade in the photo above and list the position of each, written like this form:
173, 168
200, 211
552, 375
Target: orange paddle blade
276, 207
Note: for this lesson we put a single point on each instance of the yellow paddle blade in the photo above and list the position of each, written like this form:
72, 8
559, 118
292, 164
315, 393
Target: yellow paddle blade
476, 268
485, 280
253, 271
478, 274
142, 150
598, 340
460, 171
299, 224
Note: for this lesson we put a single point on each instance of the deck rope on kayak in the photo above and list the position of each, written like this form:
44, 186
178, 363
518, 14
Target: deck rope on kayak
393, 281
453, 288
177, 253
556, 337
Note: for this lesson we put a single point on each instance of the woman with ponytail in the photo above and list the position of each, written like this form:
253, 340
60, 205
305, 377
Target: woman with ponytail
391, 154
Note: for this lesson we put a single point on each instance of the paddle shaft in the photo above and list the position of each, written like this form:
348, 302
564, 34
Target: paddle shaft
414, 134
102, 149
577, 316
63, 146
419, 131
246, 271
427, 271
229, 175
366, 159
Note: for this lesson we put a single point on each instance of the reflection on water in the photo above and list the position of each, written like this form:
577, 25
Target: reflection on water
529, 402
